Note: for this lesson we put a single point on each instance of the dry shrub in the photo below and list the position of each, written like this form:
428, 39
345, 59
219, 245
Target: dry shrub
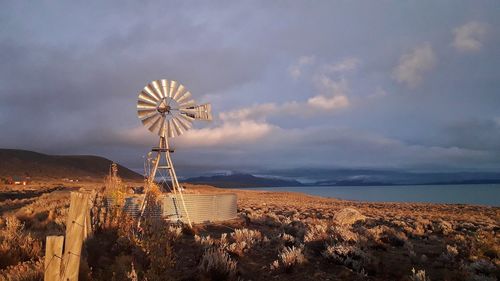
443, 227
345, 247
287, 239
175, 231
343, 234
16, 245
239, 241
24, 271
488, 244
216, 264
385, 235
205, 241
289, 258
449, 255
316, 232
482, 270
132, 275
296, 228
348, 255
244, 239
118, 241
418, 275
115, 189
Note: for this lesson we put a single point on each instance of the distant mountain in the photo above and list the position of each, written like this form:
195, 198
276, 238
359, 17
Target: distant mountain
352, 182
21, 163
377, 177
242, 180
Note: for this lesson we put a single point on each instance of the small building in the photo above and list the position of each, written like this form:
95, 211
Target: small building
20, 180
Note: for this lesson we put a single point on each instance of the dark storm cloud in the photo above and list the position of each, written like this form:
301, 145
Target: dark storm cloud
70, 73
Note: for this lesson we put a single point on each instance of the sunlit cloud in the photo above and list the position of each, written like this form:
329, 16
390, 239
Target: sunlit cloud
469, 37
296, 69
229, 133
329, 103
414, 65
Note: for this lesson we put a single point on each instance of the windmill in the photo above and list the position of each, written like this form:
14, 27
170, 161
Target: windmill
167, 109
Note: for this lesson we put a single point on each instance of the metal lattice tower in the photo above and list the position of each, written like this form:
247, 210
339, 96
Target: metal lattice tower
167, 109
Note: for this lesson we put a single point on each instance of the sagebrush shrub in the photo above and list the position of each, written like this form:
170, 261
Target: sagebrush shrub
17, 245
217, 264
289, 258
418, 275
243, 239
23, 271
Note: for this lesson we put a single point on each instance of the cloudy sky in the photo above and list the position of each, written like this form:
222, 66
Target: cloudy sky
411, 85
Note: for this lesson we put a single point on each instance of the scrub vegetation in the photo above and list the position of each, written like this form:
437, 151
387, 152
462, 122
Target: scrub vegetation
276, 236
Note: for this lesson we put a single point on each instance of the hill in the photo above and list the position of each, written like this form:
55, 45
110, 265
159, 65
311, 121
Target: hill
242, 180
20, 163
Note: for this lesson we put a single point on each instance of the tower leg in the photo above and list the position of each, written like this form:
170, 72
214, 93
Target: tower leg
164, 149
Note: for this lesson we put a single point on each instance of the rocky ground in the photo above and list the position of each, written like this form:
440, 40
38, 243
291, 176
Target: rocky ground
276, 236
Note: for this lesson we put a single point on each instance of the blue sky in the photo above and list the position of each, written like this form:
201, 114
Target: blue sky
410, 85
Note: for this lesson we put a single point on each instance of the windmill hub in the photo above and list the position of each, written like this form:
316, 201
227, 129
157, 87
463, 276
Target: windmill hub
164, 106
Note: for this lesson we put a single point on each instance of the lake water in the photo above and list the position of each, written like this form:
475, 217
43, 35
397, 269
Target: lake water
480, 194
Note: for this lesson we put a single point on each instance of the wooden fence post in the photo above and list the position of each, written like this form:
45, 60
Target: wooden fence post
53, 256
76, 231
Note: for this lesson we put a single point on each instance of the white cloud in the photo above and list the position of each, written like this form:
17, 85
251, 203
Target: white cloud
319, 104
229, 133
295, 70
469, 37
379, 93
325, 85
347, 64
252, 112
332, 93
328, 103
412, 66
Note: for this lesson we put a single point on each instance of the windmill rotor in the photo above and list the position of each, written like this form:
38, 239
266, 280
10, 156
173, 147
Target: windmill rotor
166, 108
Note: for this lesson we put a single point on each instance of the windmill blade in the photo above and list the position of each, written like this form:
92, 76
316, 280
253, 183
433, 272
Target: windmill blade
146, 97
177, 127
173, 88
145, 105
186, 117
155, 127
185, 125
180, 92
165, 87
150, 120
157, 88
187, 104
183, 98
161, 130
145, 113
170, 129
152, 92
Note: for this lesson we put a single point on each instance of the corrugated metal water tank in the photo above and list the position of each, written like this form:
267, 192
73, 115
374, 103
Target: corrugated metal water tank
201, 207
